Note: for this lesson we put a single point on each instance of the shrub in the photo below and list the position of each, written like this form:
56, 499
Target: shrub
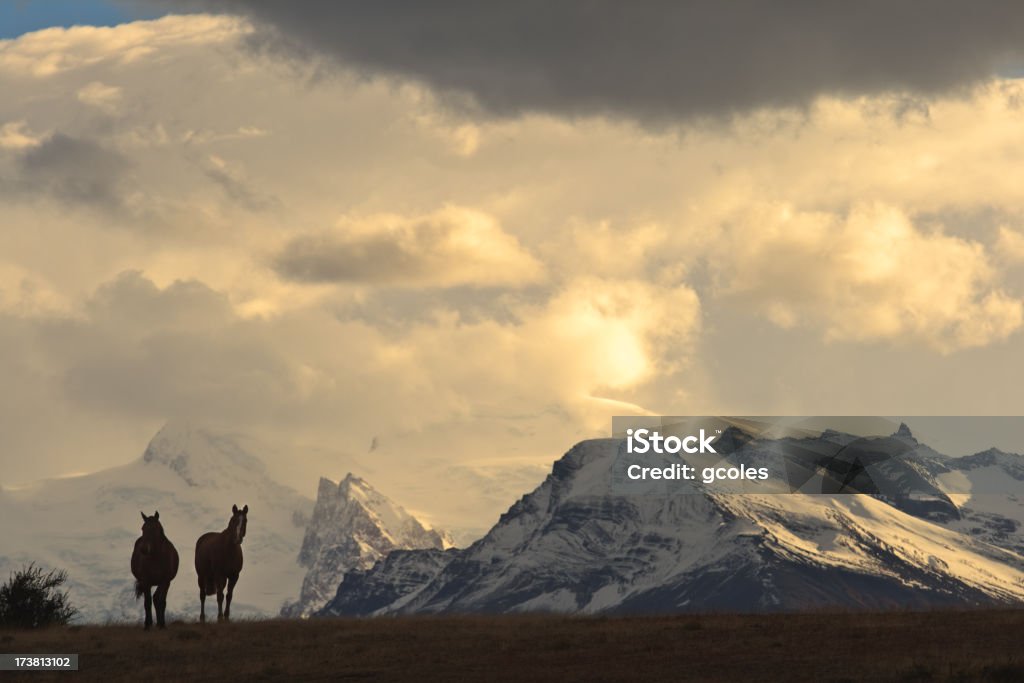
32, 598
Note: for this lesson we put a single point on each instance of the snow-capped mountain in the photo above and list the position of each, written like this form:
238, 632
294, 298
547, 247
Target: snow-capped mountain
579, 544
192, 475
352, 527
989, 490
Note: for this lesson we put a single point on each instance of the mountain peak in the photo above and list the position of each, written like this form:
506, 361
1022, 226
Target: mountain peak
992, 456
904, 432
353, 483
352, 527
351, 489
201, 456
325, 488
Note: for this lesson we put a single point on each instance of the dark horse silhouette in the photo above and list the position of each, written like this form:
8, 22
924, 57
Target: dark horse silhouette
154, 563
219, 562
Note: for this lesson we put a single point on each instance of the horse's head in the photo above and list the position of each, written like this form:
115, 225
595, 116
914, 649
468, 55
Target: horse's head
237, 524
152, 532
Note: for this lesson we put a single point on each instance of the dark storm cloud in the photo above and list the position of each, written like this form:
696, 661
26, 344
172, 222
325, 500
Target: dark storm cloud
655, 60
71, 170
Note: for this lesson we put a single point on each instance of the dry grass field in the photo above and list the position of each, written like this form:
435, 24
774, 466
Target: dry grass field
904, 646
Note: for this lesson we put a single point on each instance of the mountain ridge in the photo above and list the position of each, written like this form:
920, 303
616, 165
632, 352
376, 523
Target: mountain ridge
573, 545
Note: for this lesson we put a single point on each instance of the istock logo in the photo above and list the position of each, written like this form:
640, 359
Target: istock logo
646, 441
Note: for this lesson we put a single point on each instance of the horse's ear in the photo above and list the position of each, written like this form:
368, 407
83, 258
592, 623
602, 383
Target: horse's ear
143, 515
156, 515
234, 509
245, 510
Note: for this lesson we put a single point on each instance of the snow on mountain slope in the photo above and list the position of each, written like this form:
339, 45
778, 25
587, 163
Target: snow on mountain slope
576, 545
352, 527
988, 487
192, 475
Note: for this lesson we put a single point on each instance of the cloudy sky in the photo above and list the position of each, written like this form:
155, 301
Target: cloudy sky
457, 236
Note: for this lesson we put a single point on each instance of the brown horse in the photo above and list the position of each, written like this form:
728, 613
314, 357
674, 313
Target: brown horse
154, 563
219, 562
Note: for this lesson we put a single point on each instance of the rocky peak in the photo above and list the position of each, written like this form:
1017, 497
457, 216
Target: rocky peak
352, 527
904, 433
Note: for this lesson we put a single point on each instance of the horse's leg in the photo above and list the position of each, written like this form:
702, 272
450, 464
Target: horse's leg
160, 599
232, 580
148, 597
202, 601
220, 600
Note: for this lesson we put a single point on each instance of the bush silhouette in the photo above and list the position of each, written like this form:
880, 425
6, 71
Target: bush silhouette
32, 598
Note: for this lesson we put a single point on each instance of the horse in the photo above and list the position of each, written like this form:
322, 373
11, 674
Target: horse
154, 563
219, 562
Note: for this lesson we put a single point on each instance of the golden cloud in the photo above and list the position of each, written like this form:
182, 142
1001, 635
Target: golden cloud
864, 276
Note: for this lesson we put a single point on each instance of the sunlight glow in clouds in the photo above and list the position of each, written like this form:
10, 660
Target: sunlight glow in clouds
197, 228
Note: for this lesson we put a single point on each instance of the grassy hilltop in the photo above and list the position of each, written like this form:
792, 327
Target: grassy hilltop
906, 646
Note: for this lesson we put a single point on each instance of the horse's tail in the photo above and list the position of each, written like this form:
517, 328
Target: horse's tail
139, 589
